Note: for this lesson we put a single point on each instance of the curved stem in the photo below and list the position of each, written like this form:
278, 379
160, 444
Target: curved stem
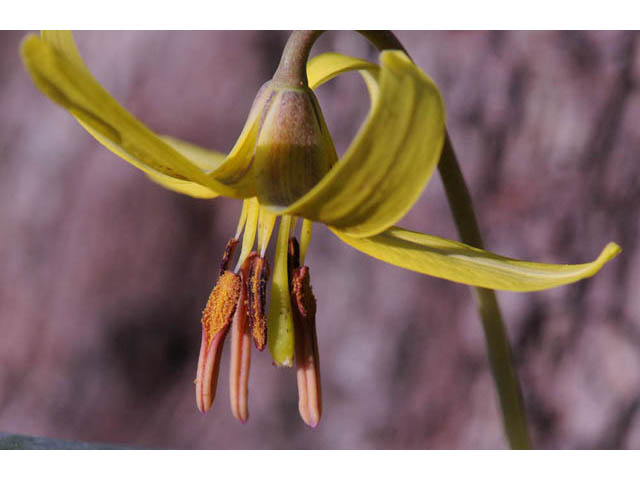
292, 69
497, 341
500, 358
383, 40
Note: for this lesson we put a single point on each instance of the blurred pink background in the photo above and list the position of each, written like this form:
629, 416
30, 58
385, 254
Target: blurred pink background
104, 274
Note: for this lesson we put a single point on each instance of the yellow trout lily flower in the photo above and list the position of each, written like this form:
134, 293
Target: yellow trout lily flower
284, 166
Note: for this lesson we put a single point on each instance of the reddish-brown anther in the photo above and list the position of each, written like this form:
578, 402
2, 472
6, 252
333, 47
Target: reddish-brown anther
255, 275
293, 257
303, 304
228, 255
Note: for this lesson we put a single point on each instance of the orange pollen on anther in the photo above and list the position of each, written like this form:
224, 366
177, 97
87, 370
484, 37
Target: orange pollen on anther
221, 304
302, 294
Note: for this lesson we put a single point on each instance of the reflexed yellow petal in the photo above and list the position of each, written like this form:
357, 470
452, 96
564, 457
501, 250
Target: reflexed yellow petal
203, 158
461, 263
324, 67
57, 69
238, 168
62, 41
391, 159
181, 186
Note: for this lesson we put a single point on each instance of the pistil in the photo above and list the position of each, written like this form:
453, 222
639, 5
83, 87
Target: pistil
280, 319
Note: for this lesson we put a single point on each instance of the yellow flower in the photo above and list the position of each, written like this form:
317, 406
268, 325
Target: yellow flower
284, 166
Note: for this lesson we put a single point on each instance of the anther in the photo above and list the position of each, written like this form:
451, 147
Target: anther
229, 249
293, 257
256, 273
303, 305
216, 317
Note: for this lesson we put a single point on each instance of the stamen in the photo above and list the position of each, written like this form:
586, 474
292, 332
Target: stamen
265, 228
240, 361
208, 368
250, 231
307, 357
280, 319
228, 255
216, 317
221, 304
305, 238
255, 273
243, 218
293, 257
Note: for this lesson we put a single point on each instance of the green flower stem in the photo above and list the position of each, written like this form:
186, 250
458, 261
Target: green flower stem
383, 40
292, 69
500, 358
